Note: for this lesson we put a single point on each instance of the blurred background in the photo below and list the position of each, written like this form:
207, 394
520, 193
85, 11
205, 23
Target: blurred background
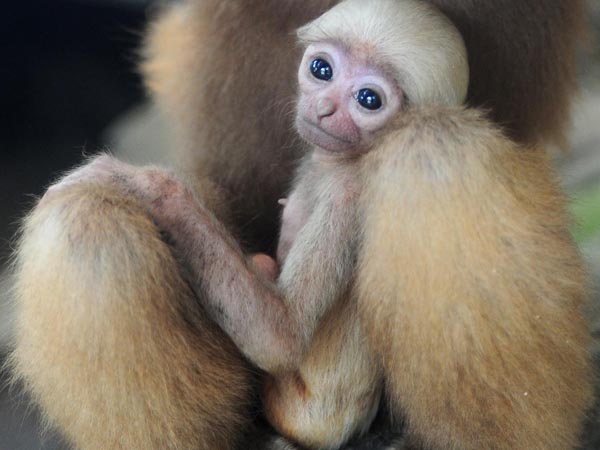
68, 72
68, 86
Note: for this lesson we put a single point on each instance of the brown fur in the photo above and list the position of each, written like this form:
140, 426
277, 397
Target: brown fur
205, 62
111, 342
479, 328
208, 49
114, 347
522, 56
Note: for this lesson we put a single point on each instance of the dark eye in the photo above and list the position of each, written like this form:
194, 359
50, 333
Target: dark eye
369, 99
321, 69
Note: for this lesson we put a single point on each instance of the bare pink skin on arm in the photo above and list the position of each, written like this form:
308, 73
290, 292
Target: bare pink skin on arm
266, 265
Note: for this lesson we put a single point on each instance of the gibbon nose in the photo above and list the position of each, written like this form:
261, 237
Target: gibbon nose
325, 107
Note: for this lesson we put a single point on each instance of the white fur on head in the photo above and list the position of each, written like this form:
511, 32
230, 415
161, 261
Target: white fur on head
424, 48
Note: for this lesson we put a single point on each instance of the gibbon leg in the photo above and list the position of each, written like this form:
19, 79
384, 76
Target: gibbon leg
110, 340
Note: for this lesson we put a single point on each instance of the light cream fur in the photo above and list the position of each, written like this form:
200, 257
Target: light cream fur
335, 393
424, 51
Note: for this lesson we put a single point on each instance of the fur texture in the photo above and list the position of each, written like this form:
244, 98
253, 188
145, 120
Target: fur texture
243, 137
480, 329
110, 340
522, 56
416, 43
335, 392
113, 345
205, 63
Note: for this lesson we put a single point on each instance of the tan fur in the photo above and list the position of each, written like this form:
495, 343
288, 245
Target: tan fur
242, 137
471, 288
205, 63
168, 44
111, 342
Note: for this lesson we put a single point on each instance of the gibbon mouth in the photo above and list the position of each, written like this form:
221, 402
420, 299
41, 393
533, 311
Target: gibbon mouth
314, 130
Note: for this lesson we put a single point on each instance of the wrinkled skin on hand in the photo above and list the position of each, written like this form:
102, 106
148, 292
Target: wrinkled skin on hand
158, 190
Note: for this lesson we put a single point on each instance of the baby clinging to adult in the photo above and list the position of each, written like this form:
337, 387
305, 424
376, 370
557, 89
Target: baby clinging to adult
365, 64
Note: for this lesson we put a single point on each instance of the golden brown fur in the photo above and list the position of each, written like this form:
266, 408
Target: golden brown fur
522, 56
211, 50
115, 348
111, 342
204, 63
479, 329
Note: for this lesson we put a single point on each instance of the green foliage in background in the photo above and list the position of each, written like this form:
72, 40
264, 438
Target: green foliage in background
586, 210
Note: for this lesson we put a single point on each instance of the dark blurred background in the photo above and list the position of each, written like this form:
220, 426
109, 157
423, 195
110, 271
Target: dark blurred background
68, 73
68, 69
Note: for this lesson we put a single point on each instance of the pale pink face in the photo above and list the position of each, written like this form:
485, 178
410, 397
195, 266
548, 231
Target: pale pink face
343, 100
